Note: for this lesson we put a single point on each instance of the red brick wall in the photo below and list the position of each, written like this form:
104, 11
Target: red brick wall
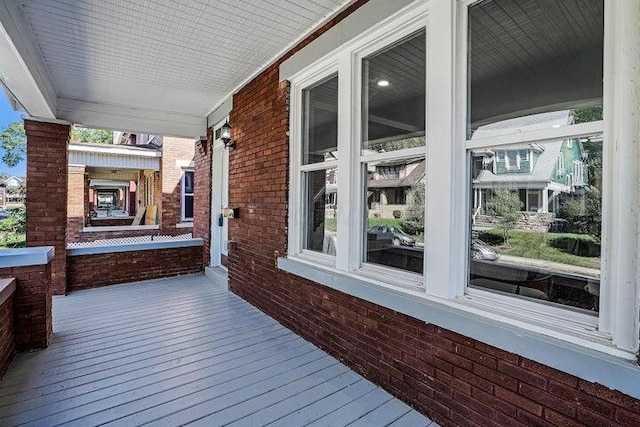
173, 149
47, 160
90, 271
450, 378
77, 202
31, 305
202, 195
7, 334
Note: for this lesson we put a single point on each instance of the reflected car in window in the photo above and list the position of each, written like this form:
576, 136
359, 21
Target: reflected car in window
482, 251
396, 235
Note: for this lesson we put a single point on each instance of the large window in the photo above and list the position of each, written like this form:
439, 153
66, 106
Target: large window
393, 125
475, 166
537, 230
320, 145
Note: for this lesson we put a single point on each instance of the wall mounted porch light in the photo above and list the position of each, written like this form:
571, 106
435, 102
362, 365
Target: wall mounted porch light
225, 136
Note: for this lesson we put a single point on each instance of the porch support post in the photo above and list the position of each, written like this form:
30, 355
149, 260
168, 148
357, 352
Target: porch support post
47, 176
545, 200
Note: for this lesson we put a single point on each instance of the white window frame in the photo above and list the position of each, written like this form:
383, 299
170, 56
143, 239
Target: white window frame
183, 193
346, 62
614, 331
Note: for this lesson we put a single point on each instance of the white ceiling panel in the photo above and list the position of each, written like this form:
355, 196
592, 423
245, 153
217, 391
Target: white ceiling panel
179, 56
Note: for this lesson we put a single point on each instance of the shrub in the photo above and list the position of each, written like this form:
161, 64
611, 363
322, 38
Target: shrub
397, 214
576, 244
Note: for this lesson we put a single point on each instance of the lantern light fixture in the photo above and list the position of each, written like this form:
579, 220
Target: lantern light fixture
225, 136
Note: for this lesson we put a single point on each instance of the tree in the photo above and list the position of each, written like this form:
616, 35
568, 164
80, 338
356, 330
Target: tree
14, 143
414, 216
506, 205
92, 136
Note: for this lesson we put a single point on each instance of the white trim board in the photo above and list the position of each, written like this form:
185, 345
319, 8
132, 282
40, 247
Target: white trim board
23, 257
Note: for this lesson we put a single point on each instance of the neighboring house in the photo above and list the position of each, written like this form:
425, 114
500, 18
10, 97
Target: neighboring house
390, 185
10, 193
541, 173
129, 189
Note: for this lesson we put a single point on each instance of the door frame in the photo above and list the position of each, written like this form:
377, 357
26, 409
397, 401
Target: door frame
218, 176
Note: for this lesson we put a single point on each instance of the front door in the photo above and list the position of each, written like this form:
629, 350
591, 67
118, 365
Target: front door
219, 200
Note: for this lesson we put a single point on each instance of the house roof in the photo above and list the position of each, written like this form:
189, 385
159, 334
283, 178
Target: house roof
410, 180
542, 171
524, 124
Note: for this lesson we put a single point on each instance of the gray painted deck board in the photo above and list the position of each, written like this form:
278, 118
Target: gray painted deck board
182, 351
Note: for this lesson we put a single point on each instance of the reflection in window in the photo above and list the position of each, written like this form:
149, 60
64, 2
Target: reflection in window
395, 215
321, 207
393, 97
538, 234
534, 56
536, 205
320, 121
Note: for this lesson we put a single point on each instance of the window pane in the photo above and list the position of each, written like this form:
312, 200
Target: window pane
188, 207
536, 229
393, 96
320, 121
534, 56
395, 214
188, 182
322, 198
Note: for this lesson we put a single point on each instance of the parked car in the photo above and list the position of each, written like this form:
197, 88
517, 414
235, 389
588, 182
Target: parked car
481, 251
399, 236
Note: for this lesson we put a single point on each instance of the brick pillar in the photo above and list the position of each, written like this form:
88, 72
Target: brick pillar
32, 305
47, 162
202, 195
77, 201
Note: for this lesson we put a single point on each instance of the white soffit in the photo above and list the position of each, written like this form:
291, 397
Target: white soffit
179, 57
111, 157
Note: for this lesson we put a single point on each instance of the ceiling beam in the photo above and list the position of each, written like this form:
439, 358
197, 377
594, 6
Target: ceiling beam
116, 117
23, 72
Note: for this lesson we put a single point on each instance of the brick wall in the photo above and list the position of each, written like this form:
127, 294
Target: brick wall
90, 271
31, 305
173, 149
7, 334
47, 160
77, 201
202, 195
450, 378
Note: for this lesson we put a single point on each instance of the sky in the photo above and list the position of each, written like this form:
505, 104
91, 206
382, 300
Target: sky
7, 115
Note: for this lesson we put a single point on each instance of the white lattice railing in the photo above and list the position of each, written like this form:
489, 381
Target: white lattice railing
128, 240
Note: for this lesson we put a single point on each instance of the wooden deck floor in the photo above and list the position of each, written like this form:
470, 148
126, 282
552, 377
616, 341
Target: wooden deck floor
182, 351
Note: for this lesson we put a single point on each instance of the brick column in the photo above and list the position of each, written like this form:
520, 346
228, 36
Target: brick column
47, 162
77, 201
202, 195
32, 305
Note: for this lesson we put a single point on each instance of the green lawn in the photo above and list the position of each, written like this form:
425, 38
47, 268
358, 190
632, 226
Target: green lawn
12, 240
543, 246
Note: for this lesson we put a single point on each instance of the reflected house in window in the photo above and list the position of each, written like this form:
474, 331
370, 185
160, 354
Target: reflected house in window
543, 173
390, 184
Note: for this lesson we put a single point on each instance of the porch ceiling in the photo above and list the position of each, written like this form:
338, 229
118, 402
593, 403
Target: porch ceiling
169, 59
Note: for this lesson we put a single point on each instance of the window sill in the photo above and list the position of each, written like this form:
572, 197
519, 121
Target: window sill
595, 360
185, 224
